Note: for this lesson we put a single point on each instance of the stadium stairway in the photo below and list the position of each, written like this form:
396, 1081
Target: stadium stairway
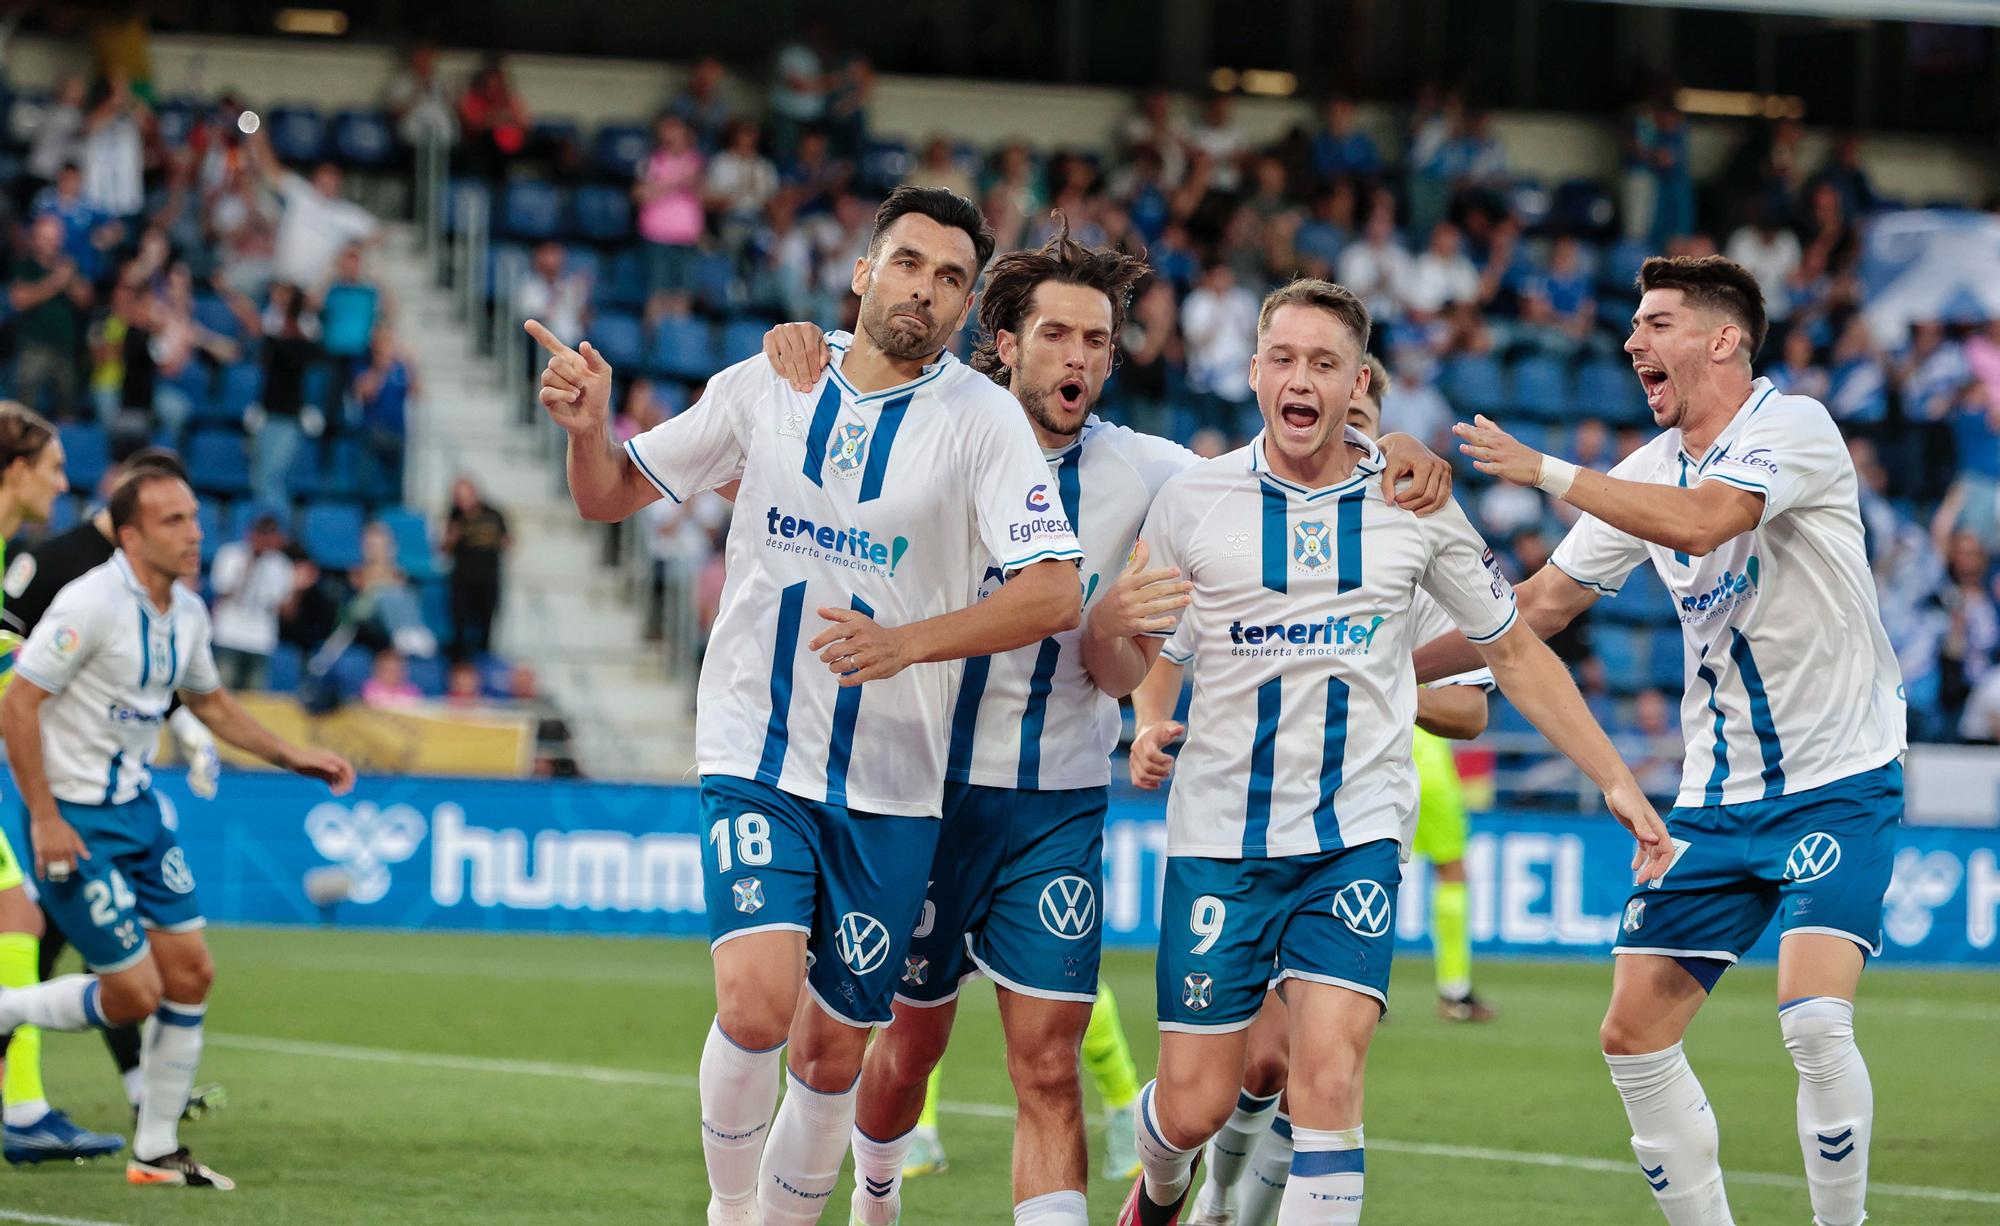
574, 619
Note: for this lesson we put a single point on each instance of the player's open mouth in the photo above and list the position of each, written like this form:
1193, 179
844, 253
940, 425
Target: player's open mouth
1070, 393
1654, 380
1299, 416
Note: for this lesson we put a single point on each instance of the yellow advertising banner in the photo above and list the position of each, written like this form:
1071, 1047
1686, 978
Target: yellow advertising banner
426, 739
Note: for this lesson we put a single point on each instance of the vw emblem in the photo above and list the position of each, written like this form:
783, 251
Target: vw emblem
916, 971
849, 449
862, 942
1312, 544
1364, 907
174, 871
1198, 991
1813, 857
749, 894
1069, 908
1635, 914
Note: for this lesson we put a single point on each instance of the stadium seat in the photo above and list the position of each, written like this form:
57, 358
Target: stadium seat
603, 213
624, 285
1622, 650
213, 313
618, 149
555, 130
64, 514
1667, 668
298, 134
743, 338
288, 668
435, 596
1582, 207
208, 514
620, 337
884, 164
350, 672
1621, 264
363, 139
242, 386
684, 349
218, 463
1606, 388
1475, 383
414, 551
86, 454
340, 470
1643, 600
302, 480
244, 512
715, 281
531, 210
330, 532
1541, 388
427, 674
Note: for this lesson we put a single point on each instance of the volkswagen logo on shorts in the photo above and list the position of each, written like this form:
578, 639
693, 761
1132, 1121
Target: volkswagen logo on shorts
1364, 907
749, 894
1198, 991
1813, 857
174, 871
862, 942
1069, 908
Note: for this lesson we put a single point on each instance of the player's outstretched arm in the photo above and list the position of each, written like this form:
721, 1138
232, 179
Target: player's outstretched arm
1549, 601
1695, 520
576, 392
1141, 602
1530, 675
1040, 599
1153, 703
1454, 712
227, 719
55, 841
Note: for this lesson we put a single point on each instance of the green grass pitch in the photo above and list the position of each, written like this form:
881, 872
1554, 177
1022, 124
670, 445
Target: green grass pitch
430, 1079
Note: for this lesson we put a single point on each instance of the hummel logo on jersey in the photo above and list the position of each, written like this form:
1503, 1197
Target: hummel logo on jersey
1312, 545
1197, 991
1364, 907
847, 450
793, 424
1238, 544
1635, 914
862, 942
1813, 857
855, 548
1069, 908
749, 894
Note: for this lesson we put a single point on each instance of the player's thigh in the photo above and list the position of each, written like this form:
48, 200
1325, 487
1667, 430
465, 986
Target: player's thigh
1711, 905
1818, 964
1270, 1054
873, 870
1341, 928
1201, 1074
1044, 1044
759, 977
187, 971
910, 1046
1833, 852
96, 907
957, 894
18, 912
1043, 933
1331, 1028
1220, 922
1653, 999
160, 876
825, 1051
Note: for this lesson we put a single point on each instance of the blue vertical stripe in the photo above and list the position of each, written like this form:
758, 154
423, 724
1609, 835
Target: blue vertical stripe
1349, 532
1720, 775
1029, 776
1678, 555
840, 747
145, 649
1332, 763
111, 783
887, 423
1761, 722
1263, 768
1275, 544
821, 430
784, 646
965, 717
173, 653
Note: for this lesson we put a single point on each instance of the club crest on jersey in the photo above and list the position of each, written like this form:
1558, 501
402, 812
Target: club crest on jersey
1813, 857
1635, 914
1197, 991
1069, 908
749, 895
847, 450
862, 942
916, 971
1312, 545
1364, 906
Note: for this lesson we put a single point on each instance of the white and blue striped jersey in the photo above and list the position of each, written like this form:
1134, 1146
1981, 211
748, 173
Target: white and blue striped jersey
112, 663
1304, 620
1791, 681
890, 503
1032, 718
1427, 615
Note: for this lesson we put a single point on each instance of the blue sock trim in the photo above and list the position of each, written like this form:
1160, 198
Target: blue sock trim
754, 1051
171, 1014
1307, 1163
1706, 971
875, 1141
800, 1084
91, 1013
1246, 1101
1282, 1125
1146, 1116
1796, 1001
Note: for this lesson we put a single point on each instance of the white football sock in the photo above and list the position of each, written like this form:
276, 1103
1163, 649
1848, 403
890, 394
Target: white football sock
1263, 1185
167, 1064
739, 1092
1167, 1169
1673, 1135
1229, 1150
134, 1081
24, 1114
1053, 1209
1836, 1105
803, 1160
1325, 1187
878, 1177
68, 1002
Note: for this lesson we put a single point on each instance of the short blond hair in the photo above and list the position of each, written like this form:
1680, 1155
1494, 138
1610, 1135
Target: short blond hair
1336, 300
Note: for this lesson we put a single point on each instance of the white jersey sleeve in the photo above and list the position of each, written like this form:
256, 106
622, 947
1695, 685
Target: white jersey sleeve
200, 675
1597, 555
1428, 621
1018, 514
1462, 575
703, 447
66, 638
1789, 450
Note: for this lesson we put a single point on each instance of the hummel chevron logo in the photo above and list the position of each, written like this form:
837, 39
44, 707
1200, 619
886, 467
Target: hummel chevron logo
1829, 1140
880, 1188
1657, 1176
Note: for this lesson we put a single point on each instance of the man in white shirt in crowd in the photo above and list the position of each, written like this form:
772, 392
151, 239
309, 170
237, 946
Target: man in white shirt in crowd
251, 580
317, 224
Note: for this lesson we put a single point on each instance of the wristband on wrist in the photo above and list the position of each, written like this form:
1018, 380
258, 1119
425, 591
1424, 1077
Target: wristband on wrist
1556, 476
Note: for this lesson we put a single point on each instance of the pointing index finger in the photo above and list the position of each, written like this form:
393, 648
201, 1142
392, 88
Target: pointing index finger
547, 339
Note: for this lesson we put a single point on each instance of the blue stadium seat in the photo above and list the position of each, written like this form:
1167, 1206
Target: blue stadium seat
435, 596
555, 130
288, 667
1643, 601
350, 671
1581, 206
414, 552
620, 337
531, 210
1475, 383
624, 286
743, 338
213, 313
884, 163
715, 281
427, 674
242, 386
297, 132
331, 534
363, 138
1621, 264
302, 480
1541, 388
64, 514
1607, 388
218, 463
1622, 650
581, 258
340, 470
684, 349
208, 514
86, 455
603, 214
1668, 665
618, 150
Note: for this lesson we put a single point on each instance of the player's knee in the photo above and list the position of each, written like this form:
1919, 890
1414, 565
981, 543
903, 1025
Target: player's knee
1330, 1086
1046, 1072
131, 997
753, 1029
1191, 1118
189, 983
1619, 1035
1266, 1068
906, 1055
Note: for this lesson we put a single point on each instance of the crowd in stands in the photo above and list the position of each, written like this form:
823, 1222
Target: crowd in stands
173, 281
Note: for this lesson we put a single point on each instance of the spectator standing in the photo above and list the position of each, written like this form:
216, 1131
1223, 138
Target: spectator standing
476, 539
552, 293
1377, 268
1156, 127
702, 107
939, 167
1442, 276
1972, 631
252, 580
113, 152
1342, 150
49, 297
384, 390
88, 234
1560, 301
317, 224
1771, 252
416, 96
798, 90
1222, 139
740, 182
1219, 323
1859, 391
349, 310
291, 350
59, 141
1843, 172
493, 122
668, 192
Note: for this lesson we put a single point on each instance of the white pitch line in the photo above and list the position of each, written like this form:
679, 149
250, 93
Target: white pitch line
675, 1081
43, 1219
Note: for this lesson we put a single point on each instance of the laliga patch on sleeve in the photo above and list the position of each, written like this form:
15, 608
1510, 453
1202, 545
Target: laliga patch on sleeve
67, 640
20, 573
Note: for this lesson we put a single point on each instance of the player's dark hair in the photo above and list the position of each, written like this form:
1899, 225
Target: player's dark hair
1714, 283
941, 205
1336, 300
24, 434
153, 460
1016, 277
124, 504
